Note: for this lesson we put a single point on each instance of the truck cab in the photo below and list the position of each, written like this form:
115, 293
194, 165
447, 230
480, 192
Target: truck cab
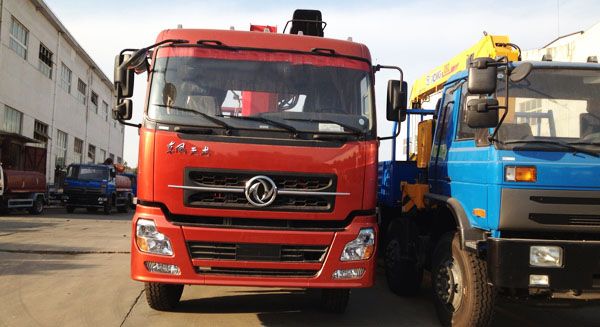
507, 203
96, 187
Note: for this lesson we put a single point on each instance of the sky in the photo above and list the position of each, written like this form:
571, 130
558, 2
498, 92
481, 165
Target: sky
415, 35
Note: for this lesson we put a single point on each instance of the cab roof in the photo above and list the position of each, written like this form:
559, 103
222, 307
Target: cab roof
269, 41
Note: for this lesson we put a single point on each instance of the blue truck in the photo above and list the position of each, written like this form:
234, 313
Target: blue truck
503, 198
96, 187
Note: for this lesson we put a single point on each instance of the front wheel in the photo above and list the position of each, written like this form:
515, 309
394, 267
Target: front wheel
334, 300
461, 293
38, 206
107, 207
163, 297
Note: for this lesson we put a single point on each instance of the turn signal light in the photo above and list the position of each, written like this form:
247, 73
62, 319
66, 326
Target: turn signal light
520, 174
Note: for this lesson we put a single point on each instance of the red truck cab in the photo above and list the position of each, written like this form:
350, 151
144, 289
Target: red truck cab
257, 164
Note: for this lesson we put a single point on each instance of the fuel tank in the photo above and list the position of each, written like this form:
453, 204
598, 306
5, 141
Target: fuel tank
18, 181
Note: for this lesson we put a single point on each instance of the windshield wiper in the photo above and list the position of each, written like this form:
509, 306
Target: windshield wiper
563, 144
208, 117
271, 122
354, 130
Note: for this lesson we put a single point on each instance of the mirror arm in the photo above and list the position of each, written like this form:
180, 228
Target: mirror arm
129, 124
377, 68
383, 138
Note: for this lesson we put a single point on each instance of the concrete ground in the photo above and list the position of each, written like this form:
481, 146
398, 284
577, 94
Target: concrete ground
73, 270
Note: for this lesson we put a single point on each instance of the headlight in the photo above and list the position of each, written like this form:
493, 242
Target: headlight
361, 248
149, 240
546, 256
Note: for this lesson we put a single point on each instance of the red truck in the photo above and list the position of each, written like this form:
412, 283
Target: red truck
22, 190
257, 160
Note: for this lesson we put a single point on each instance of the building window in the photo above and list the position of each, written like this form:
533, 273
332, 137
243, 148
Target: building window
102, 156
91, 154
119, 160
45, 62
12, 120
81, 90
94, 101
40, 131
18, 38
65, 78
61, 148
105, 109
77, 150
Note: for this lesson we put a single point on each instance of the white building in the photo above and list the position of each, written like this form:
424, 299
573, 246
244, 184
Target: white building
576, 47
51, 91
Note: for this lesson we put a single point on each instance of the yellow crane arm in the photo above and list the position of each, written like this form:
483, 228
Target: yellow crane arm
490, 46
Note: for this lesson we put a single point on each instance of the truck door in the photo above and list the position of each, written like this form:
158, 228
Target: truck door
438, 167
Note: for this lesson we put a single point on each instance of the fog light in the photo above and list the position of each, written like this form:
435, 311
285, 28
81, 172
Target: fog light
150, 240
348, 273
539, 280
361, 248
163, 268
546, 256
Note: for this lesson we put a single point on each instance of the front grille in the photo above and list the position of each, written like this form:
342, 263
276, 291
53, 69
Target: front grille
238, 179
255, 272
562, 219
231, 251
260, 223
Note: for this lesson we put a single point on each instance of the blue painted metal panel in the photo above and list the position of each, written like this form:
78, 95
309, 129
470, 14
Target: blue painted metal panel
391, 174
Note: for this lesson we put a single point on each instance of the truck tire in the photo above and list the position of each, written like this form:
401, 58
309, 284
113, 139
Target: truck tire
335, 300
38, 206
461, 293
404, 276
163, 297
107, 207
70, 209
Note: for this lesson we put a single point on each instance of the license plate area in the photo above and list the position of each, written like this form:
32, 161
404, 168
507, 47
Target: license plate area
258, 252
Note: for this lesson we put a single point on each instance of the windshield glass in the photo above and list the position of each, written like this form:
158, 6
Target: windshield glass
87, 173
552, 106
310, 93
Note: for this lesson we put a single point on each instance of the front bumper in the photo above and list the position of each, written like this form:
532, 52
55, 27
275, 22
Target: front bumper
86, 200
194, 271
508, 264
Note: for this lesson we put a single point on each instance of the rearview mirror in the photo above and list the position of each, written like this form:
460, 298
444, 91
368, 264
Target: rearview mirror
482, 76
138, 61
123, 77
123, 110
397, 100
482, 113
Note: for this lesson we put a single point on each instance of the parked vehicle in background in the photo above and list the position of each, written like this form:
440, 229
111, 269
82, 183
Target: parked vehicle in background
96, 187
504, 195
133, 178
258, 161
22, 190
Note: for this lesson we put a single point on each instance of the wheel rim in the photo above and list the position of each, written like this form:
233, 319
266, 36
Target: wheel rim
449, 284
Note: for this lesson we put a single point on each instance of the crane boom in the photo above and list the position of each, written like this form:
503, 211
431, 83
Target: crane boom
491, 46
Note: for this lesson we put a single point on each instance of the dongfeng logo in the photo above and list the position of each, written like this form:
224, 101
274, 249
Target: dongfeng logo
260, 191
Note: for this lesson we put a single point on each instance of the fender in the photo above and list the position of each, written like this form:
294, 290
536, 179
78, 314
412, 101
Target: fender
469, 236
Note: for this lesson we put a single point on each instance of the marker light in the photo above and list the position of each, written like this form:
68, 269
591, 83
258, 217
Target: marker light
163, 268
361, 248
348, 273
539, 280
520, 174
545, 256
149, 240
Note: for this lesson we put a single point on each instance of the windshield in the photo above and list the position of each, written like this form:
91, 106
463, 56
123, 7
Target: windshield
552, 106
302, 92
87, 173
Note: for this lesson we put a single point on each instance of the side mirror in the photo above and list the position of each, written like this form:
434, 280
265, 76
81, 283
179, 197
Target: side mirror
397, 100
123, 77
521, 72
138, 62
482, 76
482, 113
123, 110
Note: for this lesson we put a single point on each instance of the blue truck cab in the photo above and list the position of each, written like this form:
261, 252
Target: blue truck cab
512, 210
96, 187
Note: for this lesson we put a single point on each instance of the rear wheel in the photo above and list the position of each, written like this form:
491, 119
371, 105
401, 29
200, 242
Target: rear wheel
403, 271
70, 209
38, 206
461, 293
335, 300
124, 208
163, 297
